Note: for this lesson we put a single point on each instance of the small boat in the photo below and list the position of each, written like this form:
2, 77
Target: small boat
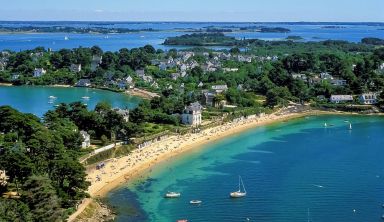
350, 126
182, 220
325, 125
239, 193
66, 38
172, 195
52, 97
85, 97
195, 202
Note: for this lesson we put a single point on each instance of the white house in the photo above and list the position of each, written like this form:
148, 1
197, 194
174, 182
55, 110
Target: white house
368, 98
38, 72
341, 98
192, 114
86, 139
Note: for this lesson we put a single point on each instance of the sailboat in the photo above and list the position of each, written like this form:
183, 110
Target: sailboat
239, 193
172, 195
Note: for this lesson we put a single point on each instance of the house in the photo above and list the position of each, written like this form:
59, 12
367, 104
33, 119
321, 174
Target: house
83, 83
368, 98
341, 98
86, 139
175, 76
339, 82
381, 67
96, 61
38, 72
140, 73
242, 58
163, 66
192, 114
325, 75
147, 79
2, 66
208, 98
299, 76
15, 77
230, 69
220, 88
201, 84
129, 82
124, 113
75, 68
183, 67
3, 178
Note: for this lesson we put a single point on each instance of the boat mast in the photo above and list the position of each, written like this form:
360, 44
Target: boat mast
243, 186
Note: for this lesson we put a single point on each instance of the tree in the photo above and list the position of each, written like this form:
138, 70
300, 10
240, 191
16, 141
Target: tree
277, 96
14, 210
42, 199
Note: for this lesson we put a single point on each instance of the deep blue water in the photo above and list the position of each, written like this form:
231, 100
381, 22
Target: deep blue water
294, 171
309, 31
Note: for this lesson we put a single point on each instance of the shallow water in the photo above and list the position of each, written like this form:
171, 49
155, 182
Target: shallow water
35, 99
292, 171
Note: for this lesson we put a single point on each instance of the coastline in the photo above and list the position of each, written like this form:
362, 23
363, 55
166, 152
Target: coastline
122, 170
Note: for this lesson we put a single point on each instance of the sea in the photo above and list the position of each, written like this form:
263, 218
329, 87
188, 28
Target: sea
352, 32
39, 99
297, 170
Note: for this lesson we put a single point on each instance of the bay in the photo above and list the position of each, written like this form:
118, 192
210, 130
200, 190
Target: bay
39, 99
293, 171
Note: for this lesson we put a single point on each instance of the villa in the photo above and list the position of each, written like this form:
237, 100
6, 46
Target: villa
192, 114
86, 139
368, 98
341, 98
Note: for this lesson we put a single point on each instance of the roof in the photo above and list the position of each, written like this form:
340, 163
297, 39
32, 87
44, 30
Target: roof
341, 97
194, 107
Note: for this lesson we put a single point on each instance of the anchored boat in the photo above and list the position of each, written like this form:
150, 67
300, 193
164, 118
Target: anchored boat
240, 193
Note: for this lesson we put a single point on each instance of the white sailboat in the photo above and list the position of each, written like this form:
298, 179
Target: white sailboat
240, 193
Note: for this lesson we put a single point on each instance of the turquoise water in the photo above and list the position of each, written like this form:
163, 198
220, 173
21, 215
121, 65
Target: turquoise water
35, 99
293, 171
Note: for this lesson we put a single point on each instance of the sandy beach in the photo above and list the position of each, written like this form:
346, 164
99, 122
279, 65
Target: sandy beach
5, 84
119, 171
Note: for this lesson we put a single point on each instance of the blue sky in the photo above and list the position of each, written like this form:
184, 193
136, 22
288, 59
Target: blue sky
194, 10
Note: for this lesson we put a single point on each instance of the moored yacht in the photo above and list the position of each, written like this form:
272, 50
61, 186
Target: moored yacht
172, 195
240, 193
